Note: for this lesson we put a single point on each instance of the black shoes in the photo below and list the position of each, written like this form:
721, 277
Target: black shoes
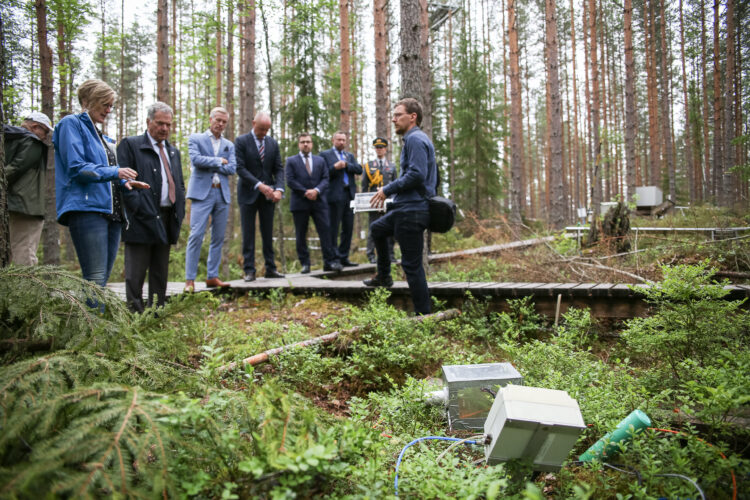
274, 274
379, 281
348, 263
249, 276
333, 267
305, 269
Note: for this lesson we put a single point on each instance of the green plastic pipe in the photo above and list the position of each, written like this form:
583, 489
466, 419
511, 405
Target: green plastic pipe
625, 430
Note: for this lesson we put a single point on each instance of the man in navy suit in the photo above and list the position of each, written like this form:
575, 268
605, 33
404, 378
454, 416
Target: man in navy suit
260, 186
307, 178
342, 167
213, 162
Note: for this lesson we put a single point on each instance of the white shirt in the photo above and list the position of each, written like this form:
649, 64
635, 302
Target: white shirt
164, 199
216, 143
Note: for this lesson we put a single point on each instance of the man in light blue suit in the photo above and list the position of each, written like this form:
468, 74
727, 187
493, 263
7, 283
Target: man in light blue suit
213, 160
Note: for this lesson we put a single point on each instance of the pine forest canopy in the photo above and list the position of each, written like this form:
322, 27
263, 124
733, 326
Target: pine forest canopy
535, 108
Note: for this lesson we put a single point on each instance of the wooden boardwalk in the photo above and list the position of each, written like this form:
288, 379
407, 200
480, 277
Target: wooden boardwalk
607, 300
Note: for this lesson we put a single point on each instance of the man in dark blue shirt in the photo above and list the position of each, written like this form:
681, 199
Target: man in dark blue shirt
408, 215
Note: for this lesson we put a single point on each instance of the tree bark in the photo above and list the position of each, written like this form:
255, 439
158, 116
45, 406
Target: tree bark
162, 51
707, 181
727, 197
654, 172
718, 173
345, 110
580, 200
516, 125
630, 125
687, 134
247, 86
50, 233
426, 71
409, 58
381, 68
557, 200
596, 185
666, 83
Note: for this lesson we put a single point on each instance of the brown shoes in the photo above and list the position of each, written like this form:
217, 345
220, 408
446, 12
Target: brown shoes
215, 282
189, 286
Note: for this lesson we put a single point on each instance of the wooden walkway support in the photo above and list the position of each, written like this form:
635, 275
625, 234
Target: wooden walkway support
605, 300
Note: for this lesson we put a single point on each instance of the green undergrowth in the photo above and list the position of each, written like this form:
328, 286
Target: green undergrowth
103, 403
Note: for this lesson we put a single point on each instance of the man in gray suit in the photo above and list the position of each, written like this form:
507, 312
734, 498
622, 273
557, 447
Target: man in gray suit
213, 160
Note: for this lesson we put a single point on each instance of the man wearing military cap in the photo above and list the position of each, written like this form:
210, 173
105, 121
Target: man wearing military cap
378, 173
25, 167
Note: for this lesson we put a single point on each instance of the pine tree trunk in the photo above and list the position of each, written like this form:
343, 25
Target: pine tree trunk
707, 180
247, 78
61, 69
557, 200
580, 199
516, 120
162, 51
50, 233
219, 50
718, 172
654, 177
687, 134
727, 197
451, 127
426, 70
345, 111
666, 83
596, 185
381, 67
409, 58
630, 125
229, 133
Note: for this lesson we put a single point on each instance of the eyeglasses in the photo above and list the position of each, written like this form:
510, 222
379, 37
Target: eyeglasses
379, 147
109, 105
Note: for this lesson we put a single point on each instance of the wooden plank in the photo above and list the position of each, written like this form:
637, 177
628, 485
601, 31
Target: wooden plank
602, 289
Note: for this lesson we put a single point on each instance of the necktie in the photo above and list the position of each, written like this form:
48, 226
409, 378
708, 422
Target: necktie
262, 150
168, 170
346, 177
380, 164
307, 165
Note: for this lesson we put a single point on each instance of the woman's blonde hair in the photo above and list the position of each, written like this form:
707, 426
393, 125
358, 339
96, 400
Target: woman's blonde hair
94, 92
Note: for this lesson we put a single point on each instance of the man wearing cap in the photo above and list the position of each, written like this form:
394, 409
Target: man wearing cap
378, 172
25, 164
342, 167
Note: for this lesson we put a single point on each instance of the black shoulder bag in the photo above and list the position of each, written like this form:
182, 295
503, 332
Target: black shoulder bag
442, 210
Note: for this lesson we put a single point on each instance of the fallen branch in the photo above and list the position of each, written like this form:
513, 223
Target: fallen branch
613, 269
326, 339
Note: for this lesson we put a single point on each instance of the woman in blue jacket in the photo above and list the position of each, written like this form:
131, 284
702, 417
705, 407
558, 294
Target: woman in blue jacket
87, 181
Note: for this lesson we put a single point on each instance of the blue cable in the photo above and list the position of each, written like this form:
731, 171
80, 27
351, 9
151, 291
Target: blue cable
439, 438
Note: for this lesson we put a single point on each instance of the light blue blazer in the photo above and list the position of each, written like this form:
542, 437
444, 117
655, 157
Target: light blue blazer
205, 164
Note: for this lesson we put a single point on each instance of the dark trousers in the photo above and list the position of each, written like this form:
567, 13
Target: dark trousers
341, 214
408, 228
264, 209
140, 258
319, 216
373, 216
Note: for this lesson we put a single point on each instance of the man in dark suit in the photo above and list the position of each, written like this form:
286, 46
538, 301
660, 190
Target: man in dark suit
154, 214
260, 186
307, 178
378, 173
342, 167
